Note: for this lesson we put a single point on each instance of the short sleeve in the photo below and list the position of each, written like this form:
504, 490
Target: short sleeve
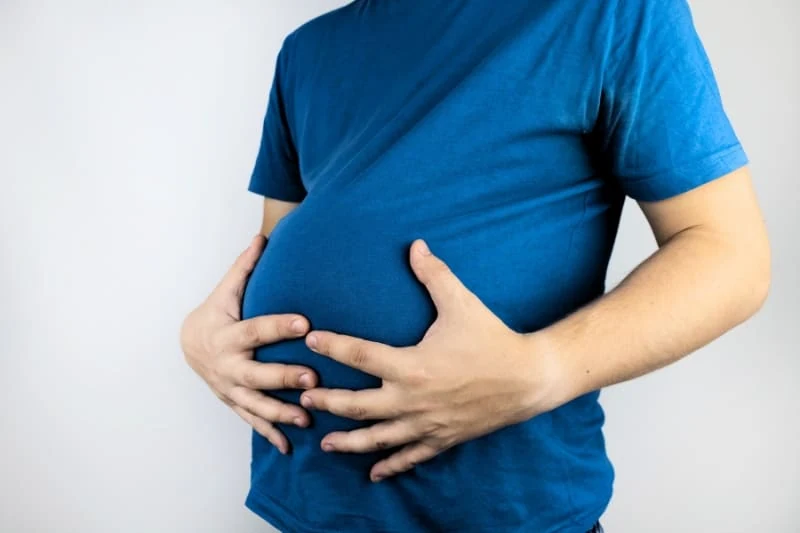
661, 122
276, 173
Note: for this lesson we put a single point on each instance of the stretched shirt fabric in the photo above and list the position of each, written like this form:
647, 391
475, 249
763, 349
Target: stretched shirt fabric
506, 134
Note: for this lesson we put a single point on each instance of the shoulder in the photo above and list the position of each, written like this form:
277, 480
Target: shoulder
315, 31
640, 17
650, 31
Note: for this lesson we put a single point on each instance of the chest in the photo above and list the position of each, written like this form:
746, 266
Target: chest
465, 95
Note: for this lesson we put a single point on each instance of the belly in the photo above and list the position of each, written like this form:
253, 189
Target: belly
345, 274
347, 270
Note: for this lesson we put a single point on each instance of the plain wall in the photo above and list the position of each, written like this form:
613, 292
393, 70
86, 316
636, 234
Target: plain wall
127, 134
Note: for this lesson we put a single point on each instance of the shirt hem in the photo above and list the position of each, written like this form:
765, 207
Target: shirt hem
276, 514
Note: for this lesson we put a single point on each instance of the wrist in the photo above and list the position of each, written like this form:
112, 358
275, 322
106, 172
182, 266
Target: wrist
551, 383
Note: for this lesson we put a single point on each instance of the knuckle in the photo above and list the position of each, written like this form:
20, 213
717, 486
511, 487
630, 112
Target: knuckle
286, 415
381, 444
418, 376
283, 327
360, 354
286, 378
442, 269
429, 427
418, 406
250, 378
250, 332
356, 412
279, 328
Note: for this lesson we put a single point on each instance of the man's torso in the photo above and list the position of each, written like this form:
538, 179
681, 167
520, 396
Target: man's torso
469, 126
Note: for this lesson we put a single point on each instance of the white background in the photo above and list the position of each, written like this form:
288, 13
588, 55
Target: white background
127, 134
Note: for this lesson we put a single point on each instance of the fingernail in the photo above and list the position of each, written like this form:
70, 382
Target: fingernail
327, 446
306, 402
305, 380
422, 248
311, 340
377, 477
297, 325
299, 421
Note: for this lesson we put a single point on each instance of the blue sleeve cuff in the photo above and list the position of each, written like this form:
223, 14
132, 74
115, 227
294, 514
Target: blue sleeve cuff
686, 177
280, 187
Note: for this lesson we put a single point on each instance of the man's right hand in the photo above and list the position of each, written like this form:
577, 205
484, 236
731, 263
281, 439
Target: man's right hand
219, 346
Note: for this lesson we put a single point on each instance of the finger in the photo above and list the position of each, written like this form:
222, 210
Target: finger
269, 409
404, 460
265, 429
374, 358
377, 437
235, 279
245, 335
366, 404
269, 376
445, 288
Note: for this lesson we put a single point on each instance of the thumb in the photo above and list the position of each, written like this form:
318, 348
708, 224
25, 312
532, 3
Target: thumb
234, 281
446, 290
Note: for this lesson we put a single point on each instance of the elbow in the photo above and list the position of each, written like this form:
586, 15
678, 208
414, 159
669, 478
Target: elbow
760, 287
758, 277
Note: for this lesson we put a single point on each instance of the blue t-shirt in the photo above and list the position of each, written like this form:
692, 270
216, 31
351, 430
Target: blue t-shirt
506, 134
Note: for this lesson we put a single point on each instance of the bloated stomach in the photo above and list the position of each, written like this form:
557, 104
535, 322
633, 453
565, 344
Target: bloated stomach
345, 274
347, 270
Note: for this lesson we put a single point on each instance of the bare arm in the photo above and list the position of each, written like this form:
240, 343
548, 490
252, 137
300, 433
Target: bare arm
710, 273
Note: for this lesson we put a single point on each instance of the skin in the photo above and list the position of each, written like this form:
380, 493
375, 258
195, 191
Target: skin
471, 374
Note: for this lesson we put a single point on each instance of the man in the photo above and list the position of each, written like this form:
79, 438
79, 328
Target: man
443, 182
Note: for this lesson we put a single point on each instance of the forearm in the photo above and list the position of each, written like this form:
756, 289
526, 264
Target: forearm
697, 286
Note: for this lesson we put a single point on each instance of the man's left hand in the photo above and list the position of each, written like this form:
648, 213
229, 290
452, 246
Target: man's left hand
469, 376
